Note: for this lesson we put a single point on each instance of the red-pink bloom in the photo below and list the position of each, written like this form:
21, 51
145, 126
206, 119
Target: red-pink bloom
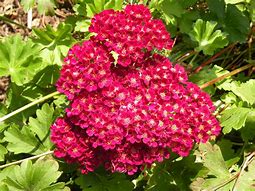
129, 112
131, 33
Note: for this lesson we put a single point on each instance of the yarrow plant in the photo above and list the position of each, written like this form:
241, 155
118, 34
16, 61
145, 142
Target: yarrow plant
129, 110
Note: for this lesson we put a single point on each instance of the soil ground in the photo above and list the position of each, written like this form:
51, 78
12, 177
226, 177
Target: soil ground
13, 20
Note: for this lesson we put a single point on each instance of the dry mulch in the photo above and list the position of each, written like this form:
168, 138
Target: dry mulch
12, 10
13, 20
4, 83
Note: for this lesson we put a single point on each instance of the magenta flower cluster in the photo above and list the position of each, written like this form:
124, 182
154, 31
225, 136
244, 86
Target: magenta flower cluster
129, 107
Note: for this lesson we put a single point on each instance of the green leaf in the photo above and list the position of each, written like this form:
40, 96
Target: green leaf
229, 98
218, 172
27, 4
39, 176
99, 5
217, 7
3, 187
234, 1
204, 76
226, 84
80, 9
208, 39
45, 6
82, 25
233, 20
89, 182
119, 182
252, 10
171, 22
246, 180
161, 180
103, 182
61, 103
184, 171
19, 59
55, 57
3, 151
226, 149
8, 171
228, 153
91, 10
186, 21
187, 3
214, 160
172, 7
237, 25
41, 125
51, 38
118, 4
22, 141
175, 8
32, 92
57, 187
246, 91
114, 4
26, 94
47, 77
248, 131
33, 138
234, 118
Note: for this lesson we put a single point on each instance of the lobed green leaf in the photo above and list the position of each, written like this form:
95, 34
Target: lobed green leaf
103, 182
34, 137
208, 39
40, 176
19, 59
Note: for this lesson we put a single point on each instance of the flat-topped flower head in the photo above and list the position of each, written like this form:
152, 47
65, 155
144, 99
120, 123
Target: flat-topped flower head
126, 116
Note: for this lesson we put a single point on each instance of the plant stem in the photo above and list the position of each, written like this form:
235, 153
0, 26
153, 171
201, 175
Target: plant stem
193, 59
28, 106
29, 158
235, 60
185, 56
245, 164
227, 57
29, 18
212, 58
7, 20
227, 181
226, 75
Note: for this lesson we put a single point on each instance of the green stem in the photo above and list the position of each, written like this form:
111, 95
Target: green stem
185, 56
212, 58
193, 59
222, 184
29, 158
226, 75
235, 60
223, 65
5, 19
245, 164
249, 48
28, 106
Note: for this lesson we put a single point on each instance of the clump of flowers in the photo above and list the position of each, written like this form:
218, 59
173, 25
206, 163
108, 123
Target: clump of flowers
131, 110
